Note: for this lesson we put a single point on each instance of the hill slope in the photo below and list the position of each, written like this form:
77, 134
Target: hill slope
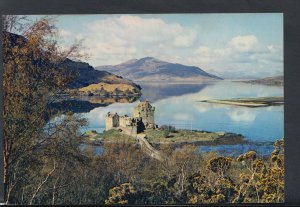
88, 88
86, 75
152, 69
82, 74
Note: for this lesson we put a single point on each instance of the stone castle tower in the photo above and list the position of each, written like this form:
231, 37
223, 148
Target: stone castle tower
145, 111
111, 121
143, 118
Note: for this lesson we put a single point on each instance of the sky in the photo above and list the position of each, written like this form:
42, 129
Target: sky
231, 46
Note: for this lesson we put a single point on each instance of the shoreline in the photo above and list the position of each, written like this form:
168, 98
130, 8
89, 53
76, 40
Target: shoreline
197, 143
167, 82
190, 137
249, 102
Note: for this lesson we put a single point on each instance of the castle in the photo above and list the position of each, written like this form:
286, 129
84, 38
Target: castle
143, 118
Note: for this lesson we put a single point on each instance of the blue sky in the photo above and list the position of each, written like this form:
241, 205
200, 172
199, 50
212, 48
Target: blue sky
229, 45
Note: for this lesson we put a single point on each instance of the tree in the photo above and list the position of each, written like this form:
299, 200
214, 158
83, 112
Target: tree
32, 77
45, 165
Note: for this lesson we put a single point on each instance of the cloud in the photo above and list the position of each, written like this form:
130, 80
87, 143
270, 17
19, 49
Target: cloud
243, 56
118, 38
246, 43
241, 115
185, 40
202, 107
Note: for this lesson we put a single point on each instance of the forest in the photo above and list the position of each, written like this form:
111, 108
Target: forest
44, 164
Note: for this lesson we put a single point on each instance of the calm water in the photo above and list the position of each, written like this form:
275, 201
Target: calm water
178, 105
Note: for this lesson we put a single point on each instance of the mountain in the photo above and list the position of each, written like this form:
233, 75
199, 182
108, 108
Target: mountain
152, 69
82, 74
86, 75
275, 80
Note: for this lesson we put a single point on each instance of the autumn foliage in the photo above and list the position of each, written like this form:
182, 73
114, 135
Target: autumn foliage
44, 162
246, 179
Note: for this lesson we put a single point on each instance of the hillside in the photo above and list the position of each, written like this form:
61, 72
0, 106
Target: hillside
86, 75
82, 74
272, 81
88, 89
152, 69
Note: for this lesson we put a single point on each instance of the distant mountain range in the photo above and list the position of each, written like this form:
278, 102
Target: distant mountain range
152, 69
275, 80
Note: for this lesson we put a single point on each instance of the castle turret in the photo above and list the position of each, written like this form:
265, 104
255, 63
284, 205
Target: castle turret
145, 111
111, 121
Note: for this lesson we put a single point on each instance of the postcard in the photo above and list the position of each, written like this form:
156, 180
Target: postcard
182, 108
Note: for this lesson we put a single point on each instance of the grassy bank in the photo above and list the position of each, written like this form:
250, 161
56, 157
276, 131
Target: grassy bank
181, 137
107, 137
178, 137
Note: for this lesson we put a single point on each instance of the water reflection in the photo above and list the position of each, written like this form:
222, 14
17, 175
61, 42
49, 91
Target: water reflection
109, 100
158, 91
178, 105
241, 115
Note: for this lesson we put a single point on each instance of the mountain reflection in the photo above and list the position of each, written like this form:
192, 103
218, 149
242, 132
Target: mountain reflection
157, 91
180, 105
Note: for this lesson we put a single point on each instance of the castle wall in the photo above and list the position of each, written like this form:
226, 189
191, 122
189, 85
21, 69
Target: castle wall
115, 121
148, 117
136, 112
125, 121
146, 112
143, 118
111, 121
108, 123
140, 125
130, 130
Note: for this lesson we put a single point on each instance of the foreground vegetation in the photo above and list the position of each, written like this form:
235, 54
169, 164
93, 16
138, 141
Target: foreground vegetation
44, 162
207, 178
123, 174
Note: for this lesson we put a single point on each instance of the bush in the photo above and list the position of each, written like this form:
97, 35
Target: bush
168, 128
166, 133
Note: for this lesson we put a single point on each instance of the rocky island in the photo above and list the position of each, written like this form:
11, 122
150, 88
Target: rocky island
141, 128
90, 88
